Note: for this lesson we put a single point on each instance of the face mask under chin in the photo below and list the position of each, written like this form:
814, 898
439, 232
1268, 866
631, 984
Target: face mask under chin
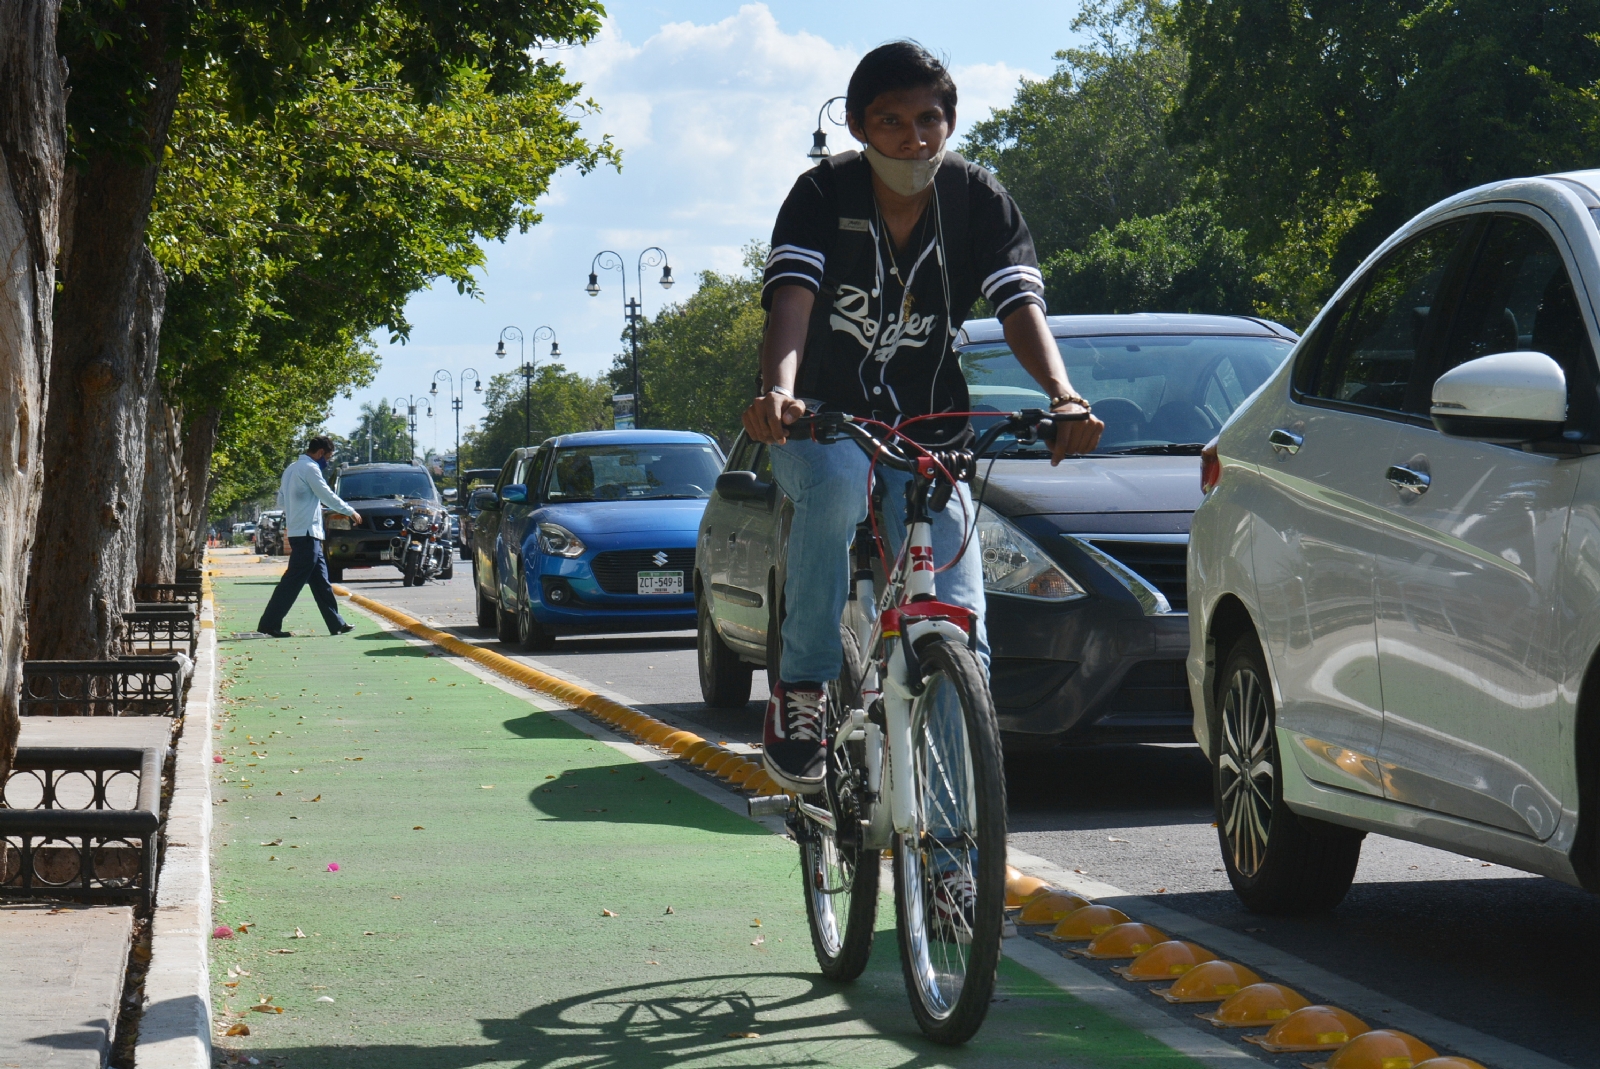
905, 177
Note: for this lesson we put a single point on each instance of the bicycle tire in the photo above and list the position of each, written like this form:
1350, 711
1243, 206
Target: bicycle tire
949, 968
842, 949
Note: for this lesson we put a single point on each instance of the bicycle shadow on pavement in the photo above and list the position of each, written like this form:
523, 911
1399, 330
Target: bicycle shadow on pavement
751, 1020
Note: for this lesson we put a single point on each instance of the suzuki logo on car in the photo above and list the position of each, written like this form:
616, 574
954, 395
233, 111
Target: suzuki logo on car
660, 558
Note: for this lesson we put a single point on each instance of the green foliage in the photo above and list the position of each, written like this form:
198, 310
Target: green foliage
558, 402
701, 358
1183, 260
379, 435
290, 236
1085, 148
1381, 107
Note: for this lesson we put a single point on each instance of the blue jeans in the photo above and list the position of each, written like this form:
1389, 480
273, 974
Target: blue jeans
306, 565
828, 485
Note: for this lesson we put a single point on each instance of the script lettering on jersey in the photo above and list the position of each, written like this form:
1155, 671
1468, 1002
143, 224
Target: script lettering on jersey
852, 314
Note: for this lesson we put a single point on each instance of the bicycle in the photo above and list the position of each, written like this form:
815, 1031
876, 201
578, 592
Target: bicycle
912, 696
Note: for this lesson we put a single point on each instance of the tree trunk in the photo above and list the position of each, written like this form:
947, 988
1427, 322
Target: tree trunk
33, 140
158, 515
108, 314
194, 495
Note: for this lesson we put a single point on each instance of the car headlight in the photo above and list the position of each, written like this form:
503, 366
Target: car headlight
557, 541
1014, 564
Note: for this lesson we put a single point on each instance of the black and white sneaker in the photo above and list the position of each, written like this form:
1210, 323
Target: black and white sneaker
791, 736
955, 904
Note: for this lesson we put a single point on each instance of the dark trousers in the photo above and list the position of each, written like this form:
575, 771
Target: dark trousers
306, 565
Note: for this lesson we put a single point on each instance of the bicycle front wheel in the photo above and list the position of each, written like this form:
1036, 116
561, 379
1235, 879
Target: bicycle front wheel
949, 872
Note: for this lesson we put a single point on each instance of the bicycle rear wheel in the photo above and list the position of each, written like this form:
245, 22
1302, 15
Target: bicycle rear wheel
841, 877
949, 873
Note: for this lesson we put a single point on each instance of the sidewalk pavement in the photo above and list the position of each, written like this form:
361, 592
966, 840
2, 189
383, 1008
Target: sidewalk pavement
430, 871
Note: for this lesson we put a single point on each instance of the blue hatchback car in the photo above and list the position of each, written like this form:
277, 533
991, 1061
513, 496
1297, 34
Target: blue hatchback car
593, 532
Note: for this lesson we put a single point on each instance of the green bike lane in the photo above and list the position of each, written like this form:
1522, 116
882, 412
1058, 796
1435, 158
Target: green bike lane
432, 873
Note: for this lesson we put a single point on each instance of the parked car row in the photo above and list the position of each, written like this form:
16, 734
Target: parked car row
1360, 568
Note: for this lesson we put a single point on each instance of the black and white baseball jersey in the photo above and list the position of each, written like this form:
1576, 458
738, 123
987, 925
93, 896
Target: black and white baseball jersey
880, 333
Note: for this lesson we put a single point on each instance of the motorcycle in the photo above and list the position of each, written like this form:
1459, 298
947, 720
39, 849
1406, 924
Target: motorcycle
423, 551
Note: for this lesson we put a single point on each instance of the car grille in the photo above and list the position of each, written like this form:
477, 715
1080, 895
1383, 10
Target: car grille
1164, 565
617, 571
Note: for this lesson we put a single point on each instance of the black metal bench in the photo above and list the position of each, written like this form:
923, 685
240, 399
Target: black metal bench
181, 593
133, 686
81, 822
188, 575
159, 631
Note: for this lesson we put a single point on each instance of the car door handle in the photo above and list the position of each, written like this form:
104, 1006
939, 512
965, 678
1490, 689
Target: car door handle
1285, 441
1408, 480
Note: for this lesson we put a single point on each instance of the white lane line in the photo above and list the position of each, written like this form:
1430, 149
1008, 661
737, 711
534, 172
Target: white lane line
1123, 1005
1377, 1009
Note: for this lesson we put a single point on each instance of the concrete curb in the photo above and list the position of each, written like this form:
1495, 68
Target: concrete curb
175, 1031
720, 761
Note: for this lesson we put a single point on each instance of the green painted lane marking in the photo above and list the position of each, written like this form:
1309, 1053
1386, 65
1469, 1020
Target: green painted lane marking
488, 944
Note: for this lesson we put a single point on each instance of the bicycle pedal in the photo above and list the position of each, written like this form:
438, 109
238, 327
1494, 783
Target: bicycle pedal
770, 805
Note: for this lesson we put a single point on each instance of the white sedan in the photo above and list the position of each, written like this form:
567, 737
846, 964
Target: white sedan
1394, 580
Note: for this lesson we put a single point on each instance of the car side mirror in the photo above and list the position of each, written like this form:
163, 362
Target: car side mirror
1504, 398
482, 499
742, 486
515, 494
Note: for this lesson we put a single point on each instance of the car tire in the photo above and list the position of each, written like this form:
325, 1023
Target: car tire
1278, 861
486, 609
335, 573
506, 627
532, 634
724, 679
466, 552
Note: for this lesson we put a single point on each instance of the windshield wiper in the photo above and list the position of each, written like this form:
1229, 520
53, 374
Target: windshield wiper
1170, 449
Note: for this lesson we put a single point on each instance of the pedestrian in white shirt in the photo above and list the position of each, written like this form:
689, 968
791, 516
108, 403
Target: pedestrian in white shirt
303, 492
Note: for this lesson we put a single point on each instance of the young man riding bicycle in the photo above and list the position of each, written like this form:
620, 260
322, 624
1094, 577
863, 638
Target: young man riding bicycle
877, 258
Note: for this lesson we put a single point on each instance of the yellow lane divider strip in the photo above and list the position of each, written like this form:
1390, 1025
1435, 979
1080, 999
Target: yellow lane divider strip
718, 760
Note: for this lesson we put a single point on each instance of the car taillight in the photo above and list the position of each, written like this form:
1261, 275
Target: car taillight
1210, 467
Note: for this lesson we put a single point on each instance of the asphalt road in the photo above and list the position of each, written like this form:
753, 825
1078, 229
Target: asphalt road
1511, 955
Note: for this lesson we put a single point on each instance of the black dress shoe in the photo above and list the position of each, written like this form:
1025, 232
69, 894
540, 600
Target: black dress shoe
343, 628
276, 634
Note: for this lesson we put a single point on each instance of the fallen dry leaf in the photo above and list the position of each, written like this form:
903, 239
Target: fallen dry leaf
652, 963
244, 929
418, 827
266, 1008
755, 922
280, 794
607, 913
1114, 839
395, 897
744, 1035
486, 786
670, 910
318, 798
240, 1029
298, 934
1161, 890
280, 950
758, 940
275, 842
549, 777
369, 933
324, 998
234, 984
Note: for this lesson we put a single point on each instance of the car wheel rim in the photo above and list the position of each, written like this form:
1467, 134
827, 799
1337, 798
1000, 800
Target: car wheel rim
1246, 770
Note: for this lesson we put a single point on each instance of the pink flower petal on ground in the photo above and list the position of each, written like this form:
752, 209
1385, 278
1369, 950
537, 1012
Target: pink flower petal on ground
222, 932
333, 866
216, 758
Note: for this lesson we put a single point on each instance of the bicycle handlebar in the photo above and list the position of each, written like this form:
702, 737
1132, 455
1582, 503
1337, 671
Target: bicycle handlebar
829, 427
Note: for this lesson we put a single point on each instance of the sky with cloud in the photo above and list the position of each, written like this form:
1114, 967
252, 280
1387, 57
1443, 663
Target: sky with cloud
712, 104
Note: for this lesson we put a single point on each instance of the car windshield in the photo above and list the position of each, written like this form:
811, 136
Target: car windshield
632, 472
370, 485
1161, 394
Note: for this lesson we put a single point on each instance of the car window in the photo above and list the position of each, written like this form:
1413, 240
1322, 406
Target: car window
632, 472
744, 453
763, 468
368, 485
1518, 297
506, 474
1366, 351
1153, 392
533, 475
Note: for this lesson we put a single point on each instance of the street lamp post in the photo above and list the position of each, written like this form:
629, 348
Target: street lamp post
411, 418
456, 401
606, 260
525, 370
819, 150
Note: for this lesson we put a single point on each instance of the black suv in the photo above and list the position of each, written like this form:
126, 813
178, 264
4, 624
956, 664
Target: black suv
380, 493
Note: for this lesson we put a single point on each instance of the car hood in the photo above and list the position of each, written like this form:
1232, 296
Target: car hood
366, 504
1089, 485
601, 518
